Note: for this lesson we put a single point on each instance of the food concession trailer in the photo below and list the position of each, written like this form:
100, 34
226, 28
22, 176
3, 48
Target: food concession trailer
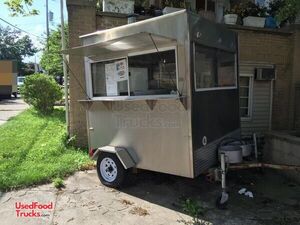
161, 94
8, 78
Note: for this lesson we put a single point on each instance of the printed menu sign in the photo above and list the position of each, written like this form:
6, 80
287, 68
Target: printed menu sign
111, 83
121, 72
115, 72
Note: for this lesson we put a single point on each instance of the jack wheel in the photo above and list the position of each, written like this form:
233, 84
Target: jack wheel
222, 201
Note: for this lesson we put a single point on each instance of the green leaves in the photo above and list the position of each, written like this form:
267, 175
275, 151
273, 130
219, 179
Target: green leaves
12, 46
194, 208
284, 10
289, 11
41, 91
21, 7
52, 60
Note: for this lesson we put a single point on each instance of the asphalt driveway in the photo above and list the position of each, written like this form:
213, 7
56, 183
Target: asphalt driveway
154, 198
10, 108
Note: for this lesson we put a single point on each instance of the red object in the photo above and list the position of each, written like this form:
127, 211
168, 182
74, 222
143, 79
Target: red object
91, 152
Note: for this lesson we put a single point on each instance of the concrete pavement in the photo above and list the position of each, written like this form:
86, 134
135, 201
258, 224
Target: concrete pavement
155, 199
86, 201
10, 108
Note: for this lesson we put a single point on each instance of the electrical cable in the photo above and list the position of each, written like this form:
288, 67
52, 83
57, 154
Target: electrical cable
19, 28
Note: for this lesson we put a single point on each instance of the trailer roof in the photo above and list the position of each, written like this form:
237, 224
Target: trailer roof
166, 25
176, 27
125, 43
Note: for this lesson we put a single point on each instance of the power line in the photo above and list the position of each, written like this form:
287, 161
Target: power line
19, 28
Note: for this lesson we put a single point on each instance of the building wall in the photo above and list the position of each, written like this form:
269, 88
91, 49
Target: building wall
110, 20
283, 149
260, 101
295, 89
297, 108
262, 46
82, 20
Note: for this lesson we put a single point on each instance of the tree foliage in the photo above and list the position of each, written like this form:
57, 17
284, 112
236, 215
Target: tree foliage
51, 59
288, 10
41, 91
28, 69
21, 7
14, 46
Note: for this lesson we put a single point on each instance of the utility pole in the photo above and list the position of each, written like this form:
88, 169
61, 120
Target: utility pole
63, 47
47, 23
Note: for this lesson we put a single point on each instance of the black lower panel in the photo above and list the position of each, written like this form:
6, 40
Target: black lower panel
214, 114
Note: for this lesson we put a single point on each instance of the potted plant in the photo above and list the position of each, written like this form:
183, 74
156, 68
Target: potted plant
254, 15
231, 15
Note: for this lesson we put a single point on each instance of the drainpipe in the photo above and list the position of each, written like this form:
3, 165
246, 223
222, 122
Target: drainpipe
63, 47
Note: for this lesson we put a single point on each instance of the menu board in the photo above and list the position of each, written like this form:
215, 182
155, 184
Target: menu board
115, 72
111, 83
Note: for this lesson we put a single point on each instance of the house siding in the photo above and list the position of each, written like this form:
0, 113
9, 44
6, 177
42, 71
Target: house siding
260, 116
269, 47
259, 120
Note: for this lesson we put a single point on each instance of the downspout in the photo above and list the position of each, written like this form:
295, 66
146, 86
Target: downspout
63, 47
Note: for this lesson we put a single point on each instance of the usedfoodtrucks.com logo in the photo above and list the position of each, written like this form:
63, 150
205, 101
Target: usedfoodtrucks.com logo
34, 209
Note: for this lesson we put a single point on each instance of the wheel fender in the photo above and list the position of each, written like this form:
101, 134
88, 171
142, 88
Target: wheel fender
121, 152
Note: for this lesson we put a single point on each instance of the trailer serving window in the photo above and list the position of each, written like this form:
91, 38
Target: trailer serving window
214, 69
144, 73
110, 78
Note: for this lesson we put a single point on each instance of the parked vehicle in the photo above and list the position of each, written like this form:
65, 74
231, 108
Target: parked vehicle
161, 94
8, 78
20, 82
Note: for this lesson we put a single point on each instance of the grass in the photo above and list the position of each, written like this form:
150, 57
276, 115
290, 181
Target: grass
33, 150
195, 210
58, 183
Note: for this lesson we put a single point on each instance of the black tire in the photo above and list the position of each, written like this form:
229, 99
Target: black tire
121, 172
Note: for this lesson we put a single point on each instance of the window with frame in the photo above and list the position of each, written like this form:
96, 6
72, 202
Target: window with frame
214, 68
109, 78
152, 73
245, 96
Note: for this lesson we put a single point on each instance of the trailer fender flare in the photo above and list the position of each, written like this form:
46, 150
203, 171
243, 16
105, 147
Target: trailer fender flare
121, 152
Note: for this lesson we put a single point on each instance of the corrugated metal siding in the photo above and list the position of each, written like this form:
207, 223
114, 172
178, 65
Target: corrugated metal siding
261, 100
206, 157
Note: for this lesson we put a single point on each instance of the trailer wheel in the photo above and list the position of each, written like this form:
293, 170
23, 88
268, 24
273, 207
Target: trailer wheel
110, 170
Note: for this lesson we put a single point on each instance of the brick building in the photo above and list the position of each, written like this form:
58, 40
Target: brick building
269, 104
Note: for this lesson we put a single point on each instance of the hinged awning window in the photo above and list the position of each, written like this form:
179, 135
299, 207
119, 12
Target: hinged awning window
127, 43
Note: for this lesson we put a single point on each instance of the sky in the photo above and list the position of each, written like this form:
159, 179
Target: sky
34, 24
